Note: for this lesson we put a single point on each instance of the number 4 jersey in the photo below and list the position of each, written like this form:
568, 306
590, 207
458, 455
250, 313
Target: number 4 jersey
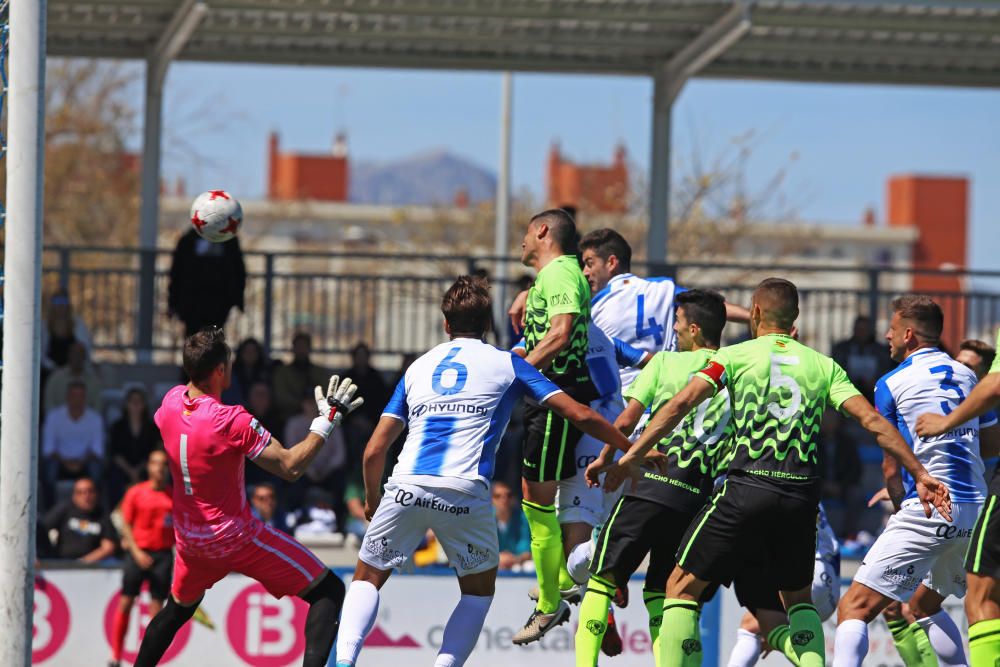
638, 311
779, 390
456, 401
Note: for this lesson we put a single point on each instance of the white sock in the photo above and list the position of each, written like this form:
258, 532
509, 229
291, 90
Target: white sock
462, 631
746, 651
578, 562
356, 620
851, 644
945, 638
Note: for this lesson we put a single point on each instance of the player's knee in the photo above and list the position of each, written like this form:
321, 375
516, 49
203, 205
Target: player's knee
330, 587
857, 605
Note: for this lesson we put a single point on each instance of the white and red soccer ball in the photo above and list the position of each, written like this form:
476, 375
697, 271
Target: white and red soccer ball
216, 216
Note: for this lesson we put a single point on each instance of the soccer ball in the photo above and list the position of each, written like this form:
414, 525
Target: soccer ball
216, 216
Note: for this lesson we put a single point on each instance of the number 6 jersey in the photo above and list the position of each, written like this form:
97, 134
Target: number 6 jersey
456, 401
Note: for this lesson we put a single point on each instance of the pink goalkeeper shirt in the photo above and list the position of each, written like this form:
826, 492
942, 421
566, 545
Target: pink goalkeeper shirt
207, 444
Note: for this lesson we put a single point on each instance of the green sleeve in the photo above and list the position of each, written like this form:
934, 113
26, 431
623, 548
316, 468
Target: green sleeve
643, 388
995, 368
841, 388
560, 289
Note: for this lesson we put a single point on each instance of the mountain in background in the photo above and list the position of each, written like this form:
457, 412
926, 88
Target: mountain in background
426, 178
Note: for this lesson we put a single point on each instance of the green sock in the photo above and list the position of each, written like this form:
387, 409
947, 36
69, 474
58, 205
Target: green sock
928, 658
593, 620
680, 638
565, 581
906, 642
807, 635
780, 639
654, 607
984, 643
546, 552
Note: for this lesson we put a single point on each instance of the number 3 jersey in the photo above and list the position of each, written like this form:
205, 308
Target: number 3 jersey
456, 401
637, 311
779, 389
207, 444
930, 381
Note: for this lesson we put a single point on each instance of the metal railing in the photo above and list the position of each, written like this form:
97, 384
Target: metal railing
391, 301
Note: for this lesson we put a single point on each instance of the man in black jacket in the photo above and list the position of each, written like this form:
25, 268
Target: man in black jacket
206, 281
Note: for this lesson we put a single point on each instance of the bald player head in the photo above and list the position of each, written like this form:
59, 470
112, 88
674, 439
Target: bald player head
774, 307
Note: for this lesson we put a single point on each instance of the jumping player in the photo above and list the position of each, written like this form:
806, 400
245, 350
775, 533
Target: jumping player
207, 443
769, 502
148, 536
982, 563
918, 559
456, 402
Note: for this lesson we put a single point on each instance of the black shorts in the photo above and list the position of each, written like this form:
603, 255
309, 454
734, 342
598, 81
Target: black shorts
744, 519
158, 575
637, 527
983, 557
549, 445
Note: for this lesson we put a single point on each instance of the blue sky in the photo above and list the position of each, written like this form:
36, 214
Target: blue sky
846, 139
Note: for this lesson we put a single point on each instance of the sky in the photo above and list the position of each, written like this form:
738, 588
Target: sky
839, 143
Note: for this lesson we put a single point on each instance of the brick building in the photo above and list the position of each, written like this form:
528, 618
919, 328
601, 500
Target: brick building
297, 176
588, 187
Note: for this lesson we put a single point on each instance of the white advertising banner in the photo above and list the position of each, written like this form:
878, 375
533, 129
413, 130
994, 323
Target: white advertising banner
74, 611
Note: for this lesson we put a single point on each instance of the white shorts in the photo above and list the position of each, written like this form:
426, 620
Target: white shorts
577, 502
825, 588
465, 526
914, 549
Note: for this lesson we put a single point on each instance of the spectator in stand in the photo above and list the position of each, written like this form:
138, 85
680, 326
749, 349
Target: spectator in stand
133, 438
360, 424
317, 518
261, 405
72, 441
76, 369
327, 470
515, 539
298, 378
206, 281
977, 356
249, 366
264, 504
148, 540
61, 329
863, 358
83, 531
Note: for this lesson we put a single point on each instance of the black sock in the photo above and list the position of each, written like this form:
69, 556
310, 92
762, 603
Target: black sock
323, 620
161, 630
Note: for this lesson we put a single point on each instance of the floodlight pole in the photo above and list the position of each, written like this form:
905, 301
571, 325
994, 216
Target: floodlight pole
170, 44
668, 81
22, 329
501, 241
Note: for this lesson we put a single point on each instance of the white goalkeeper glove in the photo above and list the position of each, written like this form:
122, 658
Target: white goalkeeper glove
334, 404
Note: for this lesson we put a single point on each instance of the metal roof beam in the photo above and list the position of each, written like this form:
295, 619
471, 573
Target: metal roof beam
175, 36
705, 48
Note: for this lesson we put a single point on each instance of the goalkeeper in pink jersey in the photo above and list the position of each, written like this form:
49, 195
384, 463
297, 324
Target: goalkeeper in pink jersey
207, 443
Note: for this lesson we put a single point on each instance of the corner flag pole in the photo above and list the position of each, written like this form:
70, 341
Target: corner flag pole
22, 301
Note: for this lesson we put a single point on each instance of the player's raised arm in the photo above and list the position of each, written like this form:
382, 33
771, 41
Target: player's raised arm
929, 489
736, 313
983, 398
625, 423
291, 463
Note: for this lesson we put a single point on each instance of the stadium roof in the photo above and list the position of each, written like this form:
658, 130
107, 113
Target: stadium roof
932, 42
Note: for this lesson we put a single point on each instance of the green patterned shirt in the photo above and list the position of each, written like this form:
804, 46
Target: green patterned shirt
697, 449
779, 390
561, 289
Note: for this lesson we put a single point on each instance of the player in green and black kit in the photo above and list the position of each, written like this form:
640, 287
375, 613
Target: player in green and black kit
653, 516
982, 564
556, 343
769, 503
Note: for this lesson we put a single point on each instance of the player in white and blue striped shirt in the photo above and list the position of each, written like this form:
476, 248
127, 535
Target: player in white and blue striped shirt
917, 559
456, 401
